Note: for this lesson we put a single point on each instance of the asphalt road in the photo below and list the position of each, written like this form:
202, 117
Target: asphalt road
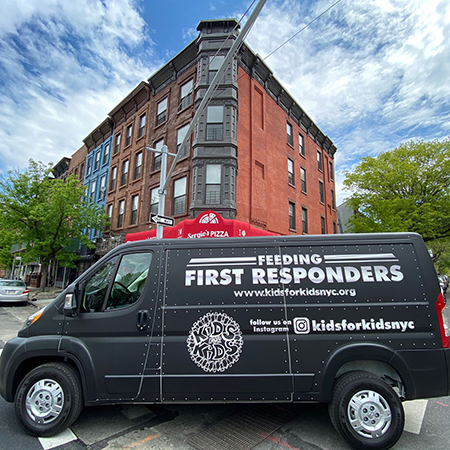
183, 427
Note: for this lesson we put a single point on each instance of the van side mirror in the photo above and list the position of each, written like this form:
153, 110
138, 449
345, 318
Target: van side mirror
70, 305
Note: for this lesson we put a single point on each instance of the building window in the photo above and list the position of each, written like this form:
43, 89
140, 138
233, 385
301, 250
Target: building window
82, 171
124, 179
92, 192
290, 137
321, 192
75, 172
157, 156
322, 225
109, 209
88, 166
213, 180
319, 160
333, 201
102, 187
214, 123
291, 216
142, 121
112, 183
161, 112
134, 209
303, 179
129, 134
120, 216
179, 196
331, 170
334, 228
186, 95
304, 220
106, 153
137, 165
301, 144
181, 134
154, 200
117, 143
291, 172
214, 65
97, 161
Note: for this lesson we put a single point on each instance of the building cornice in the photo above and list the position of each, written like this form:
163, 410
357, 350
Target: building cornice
99, 134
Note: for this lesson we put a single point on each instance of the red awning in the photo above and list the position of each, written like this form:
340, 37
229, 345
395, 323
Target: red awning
206, 225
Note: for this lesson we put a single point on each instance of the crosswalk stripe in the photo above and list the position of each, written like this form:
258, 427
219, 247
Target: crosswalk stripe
60, 439
414, 415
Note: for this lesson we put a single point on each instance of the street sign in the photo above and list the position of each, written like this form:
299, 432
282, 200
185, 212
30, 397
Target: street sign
162, 220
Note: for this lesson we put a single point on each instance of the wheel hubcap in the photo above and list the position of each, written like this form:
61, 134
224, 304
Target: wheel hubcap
45, 401
369, 414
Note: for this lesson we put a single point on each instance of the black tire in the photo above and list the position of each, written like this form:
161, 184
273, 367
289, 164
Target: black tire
366, 411
48, 399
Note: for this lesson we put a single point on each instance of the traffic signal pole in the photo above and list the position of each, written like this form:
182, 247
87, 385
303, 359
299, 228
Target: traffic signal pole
208, 95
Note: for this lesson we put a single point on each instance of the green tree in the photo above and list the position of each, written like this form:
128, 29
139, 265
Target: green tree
47, 214
441, 254
405, 189
6, 242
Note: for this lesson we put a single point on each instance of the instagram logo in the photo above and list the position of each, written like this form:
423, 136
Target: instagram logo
301, 325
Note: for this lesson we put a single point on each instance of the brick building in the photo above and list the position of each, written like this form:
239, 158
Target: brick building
254, 155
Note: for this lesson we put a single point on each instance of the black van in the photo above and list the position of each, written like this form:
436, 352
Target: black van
356, 321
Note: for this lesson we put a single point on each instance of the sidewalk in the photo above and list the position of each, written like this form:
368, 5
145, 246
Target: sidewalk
41, 299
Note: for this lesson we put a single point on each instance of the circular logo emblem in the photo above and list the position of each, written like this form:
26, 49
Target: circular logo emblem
215, 342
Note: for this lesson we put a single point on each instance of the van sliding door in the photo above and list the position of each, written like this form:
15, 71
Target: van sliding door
224, 331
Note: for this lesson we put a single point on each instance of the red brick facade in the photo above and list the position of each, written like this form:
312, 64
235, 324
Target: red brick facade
257, 114
263, 188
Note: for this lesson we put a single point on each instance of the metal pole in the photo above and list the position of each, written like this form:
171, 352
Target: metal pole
210, 91
162, 191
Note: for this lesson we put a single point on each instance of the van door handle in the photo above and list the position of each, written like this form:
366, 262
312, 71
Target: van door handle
142, 320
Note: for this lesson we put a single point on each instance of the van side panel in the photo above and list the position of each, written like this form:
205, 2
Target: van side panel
357, 294
211, 349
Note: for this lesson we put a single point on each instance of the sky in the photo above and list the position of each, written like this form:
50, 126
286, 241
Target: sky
371, 74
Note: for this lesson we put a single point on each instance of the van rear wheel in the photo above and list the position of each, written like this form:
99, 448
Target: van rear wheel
366, 411
48, 399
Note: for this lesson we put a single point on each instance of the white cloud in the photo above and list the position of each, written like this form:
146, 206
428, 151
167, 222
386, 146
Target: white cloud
372, 74
64, 66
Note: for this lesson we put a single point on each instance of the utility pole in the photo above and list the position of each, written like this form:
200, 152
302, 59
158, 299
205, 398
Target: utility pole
209, 93
162, 184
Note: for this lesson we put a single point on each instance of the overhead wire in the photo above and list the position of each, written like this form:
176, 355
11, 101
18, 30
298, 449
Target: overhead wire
174, 113
304, 28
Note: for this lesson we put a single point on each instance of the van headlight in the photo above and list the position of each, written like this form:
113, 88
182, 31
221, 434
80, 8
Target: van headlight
34, 317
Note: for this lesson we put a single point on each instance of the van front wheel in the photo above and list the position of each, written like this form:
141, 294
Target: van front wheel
366, 411
48, 399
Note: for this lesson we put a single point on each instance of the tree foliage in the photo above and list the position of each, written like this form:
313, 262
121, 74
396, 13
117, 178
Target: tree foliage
6, 241
47, 214
441, 254
405, 189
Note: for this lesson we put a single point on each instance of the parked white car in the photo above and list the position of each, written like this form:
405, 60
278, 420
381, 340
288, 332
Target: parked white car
13, 291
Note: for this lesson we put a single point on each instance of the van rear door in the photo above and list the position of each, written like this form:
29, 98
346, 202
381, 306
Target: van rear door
222, 341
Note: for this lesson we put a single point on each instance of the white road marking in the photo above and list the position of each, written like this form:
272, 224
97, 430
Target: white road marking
60, 439
414, 414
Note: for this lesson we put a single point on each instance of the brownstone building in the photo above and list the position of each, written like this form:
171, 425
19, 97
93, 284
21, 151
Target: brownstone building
254, 155
78, 163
